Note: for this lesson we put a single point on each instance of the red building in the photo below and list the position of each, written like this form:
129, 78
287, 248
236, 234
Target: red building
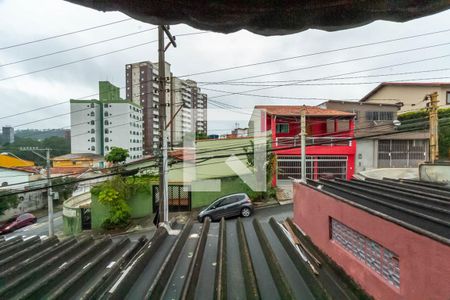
330, 150
391, 237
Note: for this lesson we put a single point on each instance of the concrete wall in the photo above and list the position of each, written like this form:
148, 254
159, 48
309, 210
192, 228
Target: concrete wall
424, 262
362, 125
140, 206
366, 155
438, 172
28, 202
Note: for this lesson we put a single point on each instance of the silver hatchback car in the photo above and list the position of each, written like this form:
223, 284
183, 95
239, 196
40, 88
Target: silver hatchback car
228, 206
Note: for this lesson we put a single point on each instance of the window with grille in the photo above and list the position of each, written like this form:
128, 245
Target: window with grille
376, 257
282, 128
379, 115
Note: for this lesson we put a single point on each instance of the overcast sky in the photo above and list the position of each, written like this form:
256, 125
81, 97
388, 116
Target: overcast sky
24, 20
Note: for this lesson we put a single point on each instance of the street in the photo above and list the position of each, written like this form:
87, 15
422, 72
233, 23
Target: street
40, 228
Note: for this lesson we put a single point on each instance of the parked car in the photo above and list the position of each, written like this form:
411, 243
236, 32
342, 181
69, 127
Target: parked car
17, 222
228, 206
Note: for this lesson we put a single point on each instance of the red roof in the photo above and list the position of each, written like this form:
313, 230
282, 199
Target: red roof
419, 84
294, 110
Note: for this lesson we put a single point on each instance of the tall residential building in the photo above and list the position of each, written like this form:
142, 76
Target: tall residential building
99, 125
142, 89
8, 134
187, 110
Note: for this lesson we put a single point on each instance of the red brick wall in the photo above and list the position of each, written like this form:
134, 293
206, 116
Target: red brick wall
424, 262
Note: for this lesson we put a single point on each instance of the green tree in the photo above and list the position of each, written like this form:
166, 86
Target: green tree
201, 135
268, 165
7, 201
117, 155
66, 188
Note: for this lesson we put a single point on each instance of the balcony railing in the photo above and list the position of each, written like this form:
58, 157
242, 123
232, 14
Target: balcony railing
311, 141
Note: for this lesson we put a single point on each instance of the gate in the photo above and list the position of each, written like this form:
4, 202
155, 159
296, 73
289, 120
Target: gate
85, 218
402, 153
289, 166
179, 199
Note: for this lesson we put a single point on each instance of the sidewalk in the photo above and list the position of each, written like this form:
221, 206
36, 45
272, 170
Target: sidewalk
43, 212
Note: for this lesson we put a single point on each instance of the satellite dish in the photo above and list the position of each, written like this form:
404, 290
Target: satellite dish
397, 123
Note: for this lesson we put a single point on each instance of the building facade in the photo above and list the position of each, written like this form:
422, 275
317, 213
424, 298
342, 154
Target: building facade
188, 110
142, 88
330, 149
410, 94
99, 125
379, 145
8, 134
387, 235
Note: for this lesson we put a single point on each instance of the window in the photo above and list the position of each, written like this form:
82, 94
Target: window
229, 200
282, 128
373, 255
379, 115
92, 105
106, 114
107, 148
106, 139
92, 130
106, 131
92, 122
448, 98
93, 148
106, 122
93, 139
92, 113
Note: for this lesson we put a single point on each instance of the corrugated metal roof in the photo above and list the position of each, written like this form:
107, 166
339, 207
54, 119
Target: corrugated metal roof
236, 259
423, 209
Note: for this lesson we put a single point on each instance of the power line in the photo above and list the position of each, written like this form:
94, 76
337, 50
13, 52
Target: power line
77, 47
331, 76
316, 53
214, 157
327, 83
89, 58
329, 79
64, 34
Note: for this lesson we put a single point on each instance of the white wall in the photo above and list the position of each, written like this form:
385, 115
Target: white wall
124, 125
9, 177
81, 127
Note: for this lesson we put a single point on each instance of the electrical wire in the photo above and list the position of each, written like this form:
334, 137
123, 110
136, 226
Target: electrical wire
64, 34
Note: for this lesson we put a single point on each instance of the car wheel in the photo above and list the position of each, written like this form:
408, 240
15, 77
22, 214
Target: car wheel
206, 217
246, 212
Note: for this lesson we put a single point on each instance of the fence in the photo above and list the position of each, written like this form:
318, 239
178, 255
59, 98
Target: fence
402, 153
289, 166
310, 141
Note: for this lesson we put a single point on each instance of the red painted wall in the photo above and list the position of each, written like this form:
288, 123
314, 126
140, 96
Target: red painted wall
424, 262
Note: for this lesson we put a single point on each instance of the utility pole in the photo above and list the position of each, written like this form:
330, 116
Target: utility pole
49, 188
163, 136
303, 144
433, 125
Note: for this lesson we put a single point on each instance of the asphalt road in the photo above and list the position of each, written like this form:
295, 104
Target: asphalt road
40, 228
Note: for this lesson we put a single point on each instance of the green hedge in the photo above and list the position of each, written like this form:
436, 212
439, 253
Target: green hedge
444, 127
